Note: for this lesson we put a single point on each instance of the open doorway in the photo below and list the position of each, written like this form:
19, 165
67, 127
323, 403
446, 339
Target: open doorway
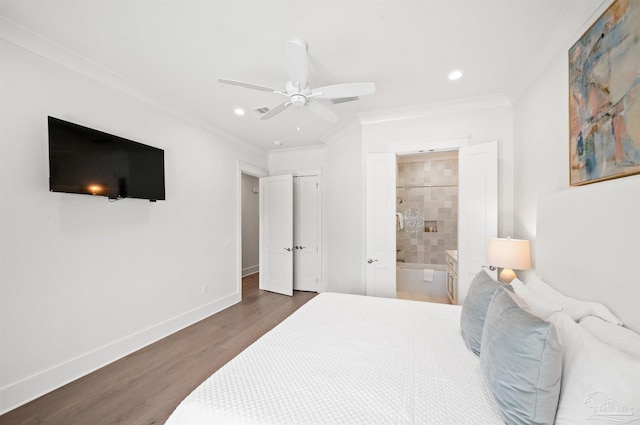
426, 223
248, 227
477, 215
250, 230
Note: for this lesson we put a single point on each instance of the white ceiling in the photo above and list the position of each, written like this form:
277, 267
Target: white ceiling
177, 49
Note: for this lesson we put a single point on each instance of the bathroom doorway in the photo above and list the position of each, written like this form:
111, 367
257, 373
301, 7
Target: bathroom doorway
426, 223
477, 213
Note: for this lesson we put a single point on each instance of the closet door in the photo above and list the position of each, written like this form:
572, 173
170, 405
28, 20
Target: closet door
306, 233
276, 234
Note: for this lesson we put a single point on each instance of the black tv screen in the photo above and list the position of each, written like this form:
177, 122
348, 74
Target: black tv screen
87, 161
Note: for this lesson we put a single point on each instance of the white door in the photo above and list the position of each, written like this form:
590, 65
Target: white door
276, 234
477, 209
306, 262
381, 220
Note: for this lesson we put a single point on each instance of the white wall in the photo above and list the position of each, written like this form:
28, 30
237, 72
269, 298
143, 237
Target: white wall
541, 133
84, 281
345, 210
297, 160
250, 225
541, 152
481, 120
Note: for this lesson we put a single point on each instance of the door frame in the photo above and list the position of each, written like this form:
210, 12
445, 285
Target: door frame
255, 171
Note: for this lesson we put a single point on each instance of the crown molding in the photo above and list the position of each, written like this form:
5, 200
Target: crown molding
38, 45
435, 108
305, 149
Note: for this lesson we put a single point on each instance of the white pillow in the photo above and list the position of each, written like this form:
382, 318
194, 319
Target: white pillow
598, 381
576, 308
538, 307
618, 337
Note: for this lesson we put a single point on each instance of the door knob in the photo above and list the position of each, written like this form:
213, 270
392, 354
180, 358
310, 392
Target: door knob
288, 249
301, 247
370, 261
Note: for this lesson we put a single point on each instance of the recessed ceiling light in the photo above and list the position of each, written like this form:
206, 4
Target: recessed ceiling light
239, 112
298, 128
455, 75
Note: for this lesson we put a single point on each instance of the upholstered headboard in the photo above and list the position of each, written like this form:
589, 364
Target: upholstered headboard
588, 244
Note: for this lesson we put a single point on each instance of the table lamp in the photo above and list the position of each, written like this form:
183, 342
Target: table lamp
509, 254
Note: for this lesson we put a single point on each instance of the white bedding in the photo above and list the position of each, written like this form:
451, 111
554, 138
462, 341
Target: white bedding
349, 359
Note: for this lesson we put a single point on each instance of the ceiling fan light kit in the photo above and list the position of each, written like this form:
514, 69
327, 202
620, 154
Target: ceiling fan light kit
299, 92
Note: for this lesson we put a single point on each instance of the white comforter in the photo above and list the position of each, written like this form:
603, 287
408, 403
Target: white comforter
349, 359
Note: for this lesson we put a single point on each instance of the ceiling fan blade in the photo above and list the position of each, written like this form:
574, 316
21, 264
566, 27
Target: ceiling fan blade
249, 85
322, 111
344, 90
275, 110
298, 67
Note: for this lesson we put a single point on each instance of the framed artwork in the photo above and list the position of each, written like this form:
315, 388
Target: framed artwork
604, 97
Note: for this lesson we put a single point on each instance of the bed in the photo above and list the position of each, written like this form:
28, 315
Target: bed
350, 359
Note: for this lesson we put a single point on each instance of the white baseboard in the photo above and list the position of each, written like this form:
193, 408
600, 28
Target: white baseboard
250, 270
21, 392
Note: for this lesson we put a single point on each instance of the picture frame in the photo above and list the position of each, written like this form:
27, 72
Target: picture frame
604, 97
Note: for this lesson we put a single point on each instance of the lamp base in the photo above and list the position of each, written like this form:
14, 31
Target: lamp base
506, 275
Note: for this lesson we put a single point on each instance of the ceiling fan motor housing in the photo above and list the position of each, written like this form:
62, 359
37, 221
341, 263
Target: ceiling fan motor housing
298, 99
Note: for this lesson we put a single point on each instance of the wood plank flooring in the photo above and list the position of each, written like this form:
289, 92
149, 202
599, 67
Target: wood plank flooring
146, 386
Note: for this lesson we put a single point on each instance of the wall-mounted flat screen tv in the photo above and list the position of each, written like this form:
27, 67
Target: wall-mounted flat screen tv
87, 161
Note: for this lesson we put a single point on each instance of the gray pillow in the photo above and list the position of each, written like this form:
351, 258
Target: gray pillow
521, 360
474, 308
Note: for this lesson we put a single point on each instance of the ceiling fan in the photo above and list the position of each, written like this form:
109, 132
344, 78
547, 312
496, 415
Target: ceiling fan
298, 91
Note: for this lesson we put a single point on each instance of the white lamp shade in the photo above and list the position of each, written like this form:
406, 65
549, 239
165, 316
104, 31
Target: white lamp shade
509, 253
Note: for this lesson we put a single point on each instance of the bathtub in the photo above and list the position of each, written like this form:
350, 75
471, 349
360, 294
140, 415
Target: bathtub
409, 278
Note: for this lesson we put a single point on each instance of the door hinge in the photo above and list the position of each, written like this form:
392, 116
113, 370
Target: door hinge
317, 185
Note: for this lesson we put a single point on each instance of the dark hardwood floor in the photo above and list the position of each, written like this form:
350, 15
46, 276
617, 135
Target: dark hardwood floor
146, 386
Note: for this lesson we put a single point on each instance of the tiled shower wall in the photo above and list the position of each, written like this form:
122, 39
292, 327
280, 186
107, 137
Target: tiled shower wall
438, 202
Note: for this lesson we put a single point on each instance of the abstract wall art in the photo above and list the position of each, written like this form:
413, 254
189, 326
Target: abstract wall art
604, 97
